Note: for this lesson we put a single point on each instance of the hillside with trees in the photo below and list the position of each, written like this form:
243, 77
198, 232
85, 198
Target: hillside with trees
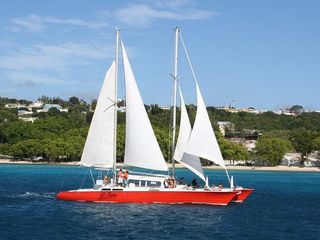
60, 135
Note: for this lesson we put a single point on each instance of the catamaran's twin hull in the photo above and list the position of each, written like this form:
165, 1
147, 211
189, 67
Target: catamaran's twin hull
165, 197
242, 195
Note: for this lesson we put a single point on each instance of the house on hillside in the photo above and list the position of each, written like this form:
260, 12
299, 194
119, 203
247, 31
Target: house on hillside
46, 108
293, 159
248, 144
27, 119
225, 126
313, 160
24, 112
36, 104
15, 105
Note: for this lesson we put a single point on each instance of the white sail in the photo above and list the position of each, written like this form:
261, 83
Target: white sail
98, 149
190, 161
142, 149
203, 142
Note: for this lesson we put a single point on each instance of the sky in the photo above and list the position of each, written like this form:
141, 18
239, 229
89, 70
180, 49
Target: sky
262, 54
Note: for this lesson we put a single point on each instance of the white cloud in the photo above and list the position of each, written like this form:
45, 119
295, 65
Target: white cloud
48, 64
36, 23
174, 4
135, 15
31, 79
54, 56
142, 15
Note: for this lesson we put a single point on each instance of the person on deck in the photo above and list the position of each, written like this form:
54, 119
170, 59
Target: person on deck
170, 183
174, 183
166, 183
125, 178
194, 183
181, 181
106, 180
120, 177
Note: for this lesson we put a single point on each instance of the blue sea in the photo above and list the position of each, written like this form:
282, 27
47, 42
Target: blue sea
285, 205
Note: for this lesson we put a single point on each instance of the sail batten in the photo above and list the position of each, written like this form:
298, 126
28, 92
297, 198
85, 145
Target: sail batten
203, 142
190, 161
141, 146
98, 149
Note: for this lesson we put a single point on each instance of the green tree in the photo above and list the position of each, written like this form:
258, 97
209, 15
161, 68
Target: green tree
271, 150
230, 150
297, 109
74, 100
302, 141
120, 142
54, 112
155, 109
316, 143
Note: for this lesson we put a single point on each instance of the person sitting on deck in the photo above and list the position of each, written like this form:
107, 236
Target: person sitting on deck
194, 183
105, 180
181, 181
174, 183
220, 186
166, 183
214, 187
120, 177
125, 178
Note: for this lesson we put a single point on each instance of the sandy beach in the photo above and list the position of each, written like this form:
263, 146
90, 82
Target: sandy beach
256, 168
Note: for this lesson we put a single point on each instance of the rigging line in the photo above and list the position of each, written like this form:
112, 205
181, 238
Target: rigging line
83, 180
195, 79
92, 176
187, 55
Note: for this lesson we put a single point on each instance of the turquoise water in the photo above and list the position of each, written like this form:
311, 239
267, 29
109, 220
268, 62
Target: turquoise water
285, 205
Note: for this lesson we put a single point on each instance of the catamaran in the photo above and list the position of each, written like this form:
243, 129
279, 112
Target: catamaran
142, 149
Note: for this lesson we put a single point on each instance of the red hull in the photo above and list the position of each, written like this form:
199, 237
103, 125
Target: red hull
166, 197
242, 195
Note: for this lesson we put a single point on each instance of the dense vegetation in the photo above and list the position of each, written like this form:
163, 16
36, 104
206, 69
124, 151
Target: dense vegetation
60, 136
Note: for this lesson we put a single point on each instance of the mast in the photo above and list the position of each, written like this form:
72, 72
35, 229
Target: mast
175, 79
116, 104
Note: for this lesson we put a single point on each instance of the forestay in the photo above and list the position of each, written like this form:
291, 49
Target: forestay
141, 147
203, 142
190, 161
98, 149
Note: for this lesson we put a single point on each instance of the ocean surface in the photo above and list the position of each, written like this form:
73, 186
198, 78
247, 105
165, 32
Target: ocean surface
285, 205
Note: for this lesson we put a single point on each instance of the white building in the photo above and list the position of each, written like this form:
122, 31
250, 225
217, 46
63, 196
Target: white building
36, 104
15, 105
293, 159
46, 108
28, 119
223, 126
24, 112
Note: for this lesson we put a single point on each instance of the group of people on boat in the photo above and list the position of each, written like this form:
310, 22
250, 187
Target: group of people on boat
170, 183
217, 188
122, 178
123, 175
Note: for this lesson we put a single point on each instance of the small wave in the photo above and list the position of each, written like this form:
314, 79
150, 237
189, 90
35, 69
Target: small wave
36, 195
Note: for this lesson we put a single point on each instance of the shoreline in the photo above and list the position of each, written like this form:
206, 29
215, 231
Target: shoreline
254, 168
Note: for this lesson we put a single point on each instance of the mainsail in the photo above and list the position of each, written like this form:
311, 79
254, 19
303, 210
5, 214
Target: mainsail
98, 149
190, 161
142, 149
203, 142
